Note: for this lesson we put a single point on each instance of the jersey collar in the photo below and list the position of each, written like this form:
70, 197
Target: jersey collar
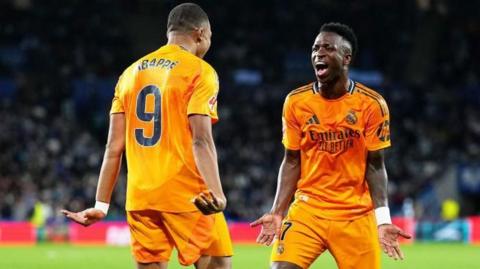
351, 86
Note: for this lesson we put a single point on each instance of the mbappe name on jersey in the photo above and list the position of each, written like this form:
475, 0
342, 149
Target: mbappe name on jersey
157, 63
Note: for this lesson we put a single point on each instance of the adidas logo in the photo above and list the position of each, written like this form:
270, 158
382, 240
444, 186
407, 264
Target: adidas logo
313, 120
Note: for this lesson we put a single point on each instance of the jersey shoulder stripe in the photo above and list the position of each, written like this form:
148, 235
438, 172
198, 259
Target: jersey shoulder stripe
302, 89
366, 89
374, 95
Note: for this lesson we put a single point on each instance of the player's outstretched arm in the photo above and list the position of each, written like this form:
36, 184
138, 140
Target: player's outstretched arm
287, 184
205, 156
111, 164
86, 217
377, 183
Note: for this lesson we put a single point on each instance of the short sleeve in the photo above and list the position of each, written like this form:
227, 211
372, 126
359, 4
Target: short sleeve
377, 129
204, 98
291, 130
117, 102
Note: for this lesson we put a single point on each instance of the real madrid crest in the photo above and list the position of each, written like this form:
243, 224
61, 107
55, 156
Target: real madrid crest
351, 118
280, 248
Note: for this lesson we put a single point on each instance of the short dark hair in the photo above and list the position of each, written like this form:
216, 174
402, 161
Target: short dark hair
186, 17
344, 31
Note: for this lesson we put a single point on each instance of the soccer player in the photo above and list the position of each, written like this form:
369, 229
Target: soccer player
334, 133
161, 115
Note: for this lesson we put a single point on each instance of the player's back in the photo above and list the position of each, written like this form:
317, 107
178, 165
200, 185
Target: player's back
157, 93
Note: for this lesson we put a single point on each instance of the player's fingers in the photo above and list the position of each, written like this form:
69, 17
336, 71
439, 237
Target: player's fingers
261, 238
269, 240
212, 207
203, 197
399, 253
386, 242
214, 199
258, 239
200, 200
78, 219
391, 253
404, 234
65, 212
387, 250
384, 248
264, 239
268, 237
209, 203
257, 222
72, 215
201, 206
394, 253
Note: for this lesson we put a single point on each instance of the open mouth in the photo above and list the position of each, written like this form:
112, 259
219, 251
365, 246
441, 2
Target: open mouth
321, 68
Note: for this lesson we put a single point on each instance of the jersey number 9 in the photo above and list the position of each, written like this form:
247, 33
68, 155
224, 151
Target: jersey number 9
153, 117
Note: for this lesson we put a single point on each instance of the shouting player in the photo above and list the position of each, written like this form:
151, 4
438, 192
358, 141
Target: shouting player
162, 115
334, 133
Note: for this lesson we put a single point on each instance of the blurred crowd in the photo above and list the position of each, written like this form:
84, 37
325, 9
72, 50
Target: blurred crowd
53, 131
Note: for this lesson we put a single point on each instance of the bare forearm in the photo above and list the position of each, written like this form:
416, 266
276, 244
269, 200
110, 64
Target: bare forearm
377, 180
287, 184
108, 175
205, 156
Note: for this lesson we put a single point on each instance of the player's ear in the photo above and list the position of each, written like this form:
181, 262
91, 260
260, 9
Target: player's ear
198, 34
347, 59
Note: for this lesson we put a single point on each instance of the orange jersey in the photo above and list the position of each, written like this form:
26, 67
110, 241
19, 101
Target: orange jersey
157, 93
334, 137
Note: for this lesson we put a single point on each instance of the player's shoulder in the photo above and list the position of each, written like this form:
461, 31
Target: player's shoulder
127, 74
300, 92
364, 90
206, 67
369, 95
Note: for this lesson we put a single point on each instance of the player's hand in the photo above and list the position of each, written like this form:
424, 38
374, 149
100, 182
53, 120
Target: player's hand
388, 235
86, 217
209, 204
271, 228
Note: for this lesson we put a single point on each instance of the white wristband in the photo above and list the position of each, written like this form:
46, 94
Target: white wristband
102, 206
382, 215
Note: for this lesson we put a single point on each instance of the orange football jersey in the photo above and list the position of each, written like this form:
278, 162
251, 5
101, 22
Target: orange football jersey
334, 137
157, 93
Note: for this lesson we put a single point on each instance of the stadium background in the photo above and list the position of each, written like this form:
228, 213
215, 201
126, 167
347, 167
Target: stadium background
59, 62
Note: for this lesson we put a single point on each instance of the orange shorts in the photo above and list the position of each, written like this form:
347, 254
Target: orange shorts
154, 234
353, 243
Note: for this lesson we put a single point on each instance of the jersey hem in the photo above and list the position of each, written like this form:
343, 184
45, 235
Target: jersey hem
162, 210
290, 147
379, 147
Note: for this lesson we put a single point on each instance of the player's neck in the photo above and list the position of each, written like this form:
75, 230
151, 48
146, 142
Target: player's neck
334, 89
182, 40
